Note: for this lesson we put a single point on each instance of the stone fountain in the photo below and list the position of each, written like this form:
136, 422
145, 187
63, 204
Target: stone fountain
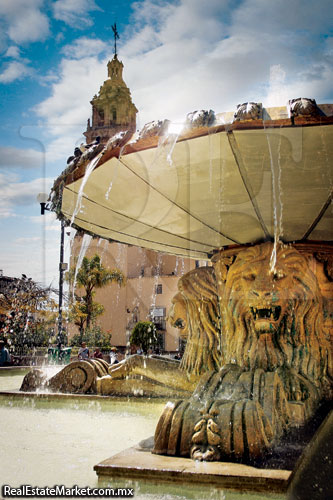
251, 193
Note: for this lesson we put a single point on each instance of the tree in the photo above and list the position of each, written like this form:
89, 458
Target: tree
91, 275
29, 312
144, 334
78, 313
94, 337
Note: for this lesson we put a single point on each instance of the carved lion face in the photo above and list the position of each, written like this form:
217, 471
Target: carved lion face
271, 315
177, 315
273, 294
264, 295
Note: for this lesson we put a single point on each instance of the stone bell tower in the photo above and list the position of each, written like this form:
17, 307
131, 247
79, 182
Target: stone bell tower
112, 109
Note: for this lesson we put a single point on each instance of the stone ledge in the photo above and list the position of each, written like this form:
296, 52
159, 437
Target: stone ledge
67, 395
136, 463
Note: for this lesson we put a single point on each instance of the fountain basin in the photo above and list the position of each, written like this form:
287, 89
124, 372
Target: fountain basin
211, 187
62, 437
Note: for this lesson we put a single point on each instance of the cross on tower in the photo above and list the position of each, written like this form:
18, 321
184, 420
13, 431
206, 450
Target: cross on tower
116, 35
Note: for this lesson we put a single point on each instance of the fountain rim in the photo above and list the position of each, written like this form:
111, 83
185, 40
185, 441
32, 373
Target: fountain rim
125, 147
303, 246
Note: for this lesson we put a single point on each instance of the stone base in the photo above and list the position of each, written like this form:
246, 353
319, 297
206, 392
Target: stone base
139, 463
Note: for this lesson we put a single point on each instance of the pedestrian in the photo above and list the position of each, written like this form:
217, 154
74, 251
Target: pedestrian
5, 359
113, 356
97, 354
83, 351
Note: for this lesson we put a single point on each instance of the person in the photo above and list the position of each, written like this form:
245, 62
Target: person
61, 352
4, 354
97, 354
83, 351
113, 356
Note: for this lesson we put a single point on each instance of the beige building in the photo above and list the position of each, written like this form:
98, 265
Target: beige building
151, 282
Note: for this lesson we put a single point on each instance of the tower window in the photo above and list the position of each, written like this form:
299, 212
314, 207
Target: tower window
114, 114
158, 289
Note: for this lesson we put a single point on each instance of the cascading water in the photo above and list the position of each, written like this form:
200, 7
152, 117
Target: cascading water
276, 192
84, 247
89, 169
156, 279
169, 140
120, 264
114, 176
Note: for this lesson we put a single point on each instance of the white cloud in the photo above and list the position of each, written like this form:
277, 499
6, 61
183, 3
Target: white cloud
66, 111
21, 158
84, 47
17, 194
25, 21
13, 51
75, 12
15, 70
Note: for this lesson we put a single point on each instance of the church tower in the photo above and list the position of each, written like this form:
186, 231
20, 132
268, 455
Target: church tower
112, 109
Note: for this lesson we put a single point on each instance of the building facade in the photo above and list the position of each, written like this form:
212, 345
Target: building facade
151, 283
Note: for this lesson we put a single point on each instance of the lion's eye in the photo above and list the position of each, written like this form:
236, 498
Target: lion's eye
249, 277
279, 275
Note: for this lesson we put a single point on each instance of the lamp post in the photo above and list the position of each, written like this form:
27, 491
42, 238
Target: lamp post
42, 198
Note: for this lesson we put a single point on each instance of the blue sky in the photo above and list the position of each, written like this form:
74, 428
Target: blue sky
179, 56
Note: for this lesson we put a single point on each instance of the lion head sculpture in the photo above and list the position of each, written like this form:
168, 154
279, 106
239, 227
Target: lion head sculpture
177, 315
195, 311
273, 318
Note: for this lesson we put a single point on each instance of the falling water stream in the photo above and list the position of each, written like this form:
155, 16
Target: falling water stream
89, 169
275, 159
169, 143
84, 247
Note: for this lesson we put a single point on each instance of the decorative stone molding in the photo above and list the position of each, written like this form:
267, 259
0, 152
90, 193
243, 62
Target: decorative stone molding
248, 111
154, 128
202, 118
302, 106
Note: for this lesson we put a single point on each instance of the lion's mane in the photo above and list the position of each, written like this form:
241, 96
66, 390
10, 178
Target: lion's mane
299, 341
202, 352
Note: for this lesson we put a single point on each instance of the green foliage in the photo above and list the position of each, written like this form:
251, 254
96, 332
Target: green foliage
94, 337
30, 316
144, 334
91, 275
78, 313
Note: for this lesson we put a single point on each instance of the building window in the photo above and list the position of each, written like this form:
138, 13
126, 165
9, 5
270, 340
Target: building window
161, 341
157, 315
114, 114
158, 289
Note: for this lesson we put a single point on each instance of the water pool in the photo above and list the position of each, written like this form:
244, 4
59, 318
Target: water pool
47, 441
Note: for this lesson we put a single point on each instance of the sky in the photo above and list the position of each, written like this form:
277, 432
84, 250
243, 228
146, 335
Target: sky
179, 56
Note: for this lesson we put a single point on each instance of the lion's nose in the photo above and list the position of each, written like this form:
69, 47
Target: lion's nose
261, 294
